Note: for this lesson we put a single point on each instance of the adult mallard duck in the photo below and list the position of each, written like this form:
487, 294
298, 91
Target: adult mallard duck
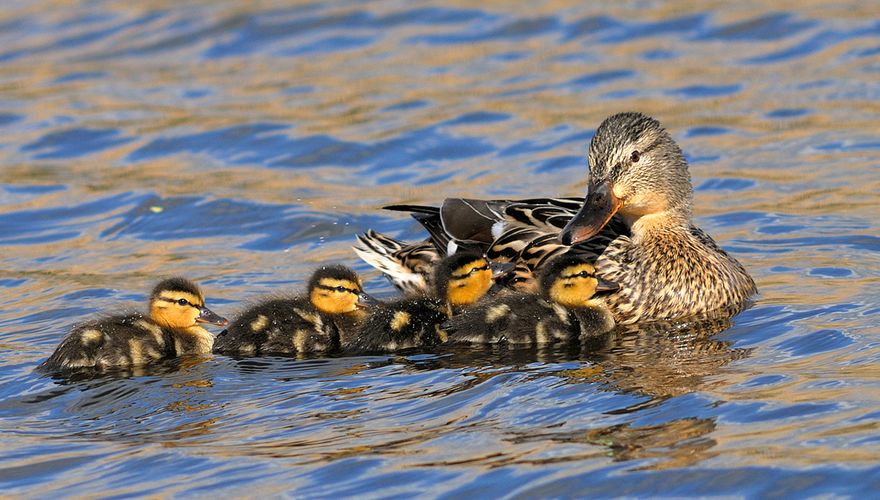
634, 224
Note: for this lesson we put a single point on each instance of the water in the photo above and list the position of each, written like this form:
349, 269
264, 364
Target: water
242, 145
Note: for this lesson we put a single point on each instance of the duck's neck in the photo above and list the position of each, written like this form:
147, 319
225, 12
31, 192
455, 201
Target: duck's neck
646, 227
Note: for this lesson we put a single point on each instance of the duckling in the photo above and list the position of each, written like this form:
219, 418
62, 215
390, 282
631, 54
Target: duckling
460, 280
635, 222
566, 309
170, 329
317, 321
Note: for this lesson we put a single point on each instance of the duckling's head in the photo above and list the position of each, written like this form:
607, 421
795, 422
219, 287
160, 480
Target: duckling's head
464, 278
337, 289
570, 281
636, 170
179, 304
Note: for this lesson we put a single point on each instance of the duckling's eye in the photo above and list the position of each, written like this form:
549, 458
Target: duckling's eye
481, 268
341, 289
635, 156
182, 302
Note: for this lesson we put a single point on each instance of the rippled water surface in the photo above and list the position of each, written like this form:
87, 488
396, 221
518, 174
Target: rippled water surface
241, 145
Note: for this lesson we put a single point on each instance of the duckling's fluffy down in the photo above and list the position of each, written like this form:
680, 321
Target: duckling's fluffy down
523, 318
282, 325
118, 341
401, 325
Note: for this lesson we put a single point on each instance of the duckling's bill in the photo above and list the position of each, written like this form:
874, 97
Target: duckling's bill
599, 206
606, 286
366, 301
501, 269
208, 316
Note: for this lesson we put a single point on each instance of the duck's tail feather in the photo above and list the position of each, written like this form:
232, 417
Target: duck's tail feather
473, 221
407, 267
416, 209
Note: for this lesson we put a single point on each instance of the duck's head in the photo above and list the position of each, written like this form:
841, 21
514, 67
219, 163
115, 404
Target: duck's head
338, 290
570, 281
636, 170
464, 278
179, 304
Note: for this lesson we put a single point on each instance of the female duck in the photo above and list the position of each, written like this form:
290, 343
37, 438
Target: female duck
635, 225
314, 322
566, 309
172, 328
461, 280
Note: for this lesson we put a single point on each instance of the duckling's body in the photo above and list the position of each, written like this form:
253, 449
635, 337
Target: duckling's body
461, 280
402, 324
634, 226
317, 321
171, 329
565, 310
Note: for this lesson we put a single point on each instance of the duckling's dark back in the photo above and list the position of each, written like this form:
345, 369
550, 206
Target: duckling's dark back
400, 325
116, 341
284, 325
516, 318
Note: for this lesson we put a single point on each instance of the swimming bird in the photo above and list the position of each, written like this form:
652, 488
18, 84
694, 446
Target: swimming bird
171, 328
634, 225
566, 308
460, 281
316, 321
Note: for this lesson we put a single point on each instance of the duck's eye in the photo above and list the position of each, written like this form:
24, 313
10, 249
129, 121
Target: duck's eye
583, 274
341, 289
182, 302
635, 156
484, 267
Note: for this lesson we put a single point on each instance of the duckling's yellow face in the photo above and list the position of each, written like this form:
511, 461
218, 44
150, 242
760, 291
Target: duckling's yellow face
336, 296
469, 283
179, 310
575, 286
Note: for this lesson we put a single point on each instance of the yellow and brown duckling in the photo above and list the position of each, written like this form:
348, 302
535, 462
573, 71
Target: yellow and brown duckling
460, 281
568, 308
634, 225
317, 321
171, 328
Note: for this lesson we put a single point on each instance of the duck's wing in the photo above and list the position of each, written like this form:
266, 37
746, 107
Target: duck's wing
429, 218
520, 231
408, 266
549, 215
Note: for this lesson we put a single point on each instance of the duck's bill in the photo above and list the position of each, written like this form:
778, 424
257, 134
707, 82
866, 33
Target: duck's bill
501, 269
606, 286
598, 208
366, 300
208, 316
